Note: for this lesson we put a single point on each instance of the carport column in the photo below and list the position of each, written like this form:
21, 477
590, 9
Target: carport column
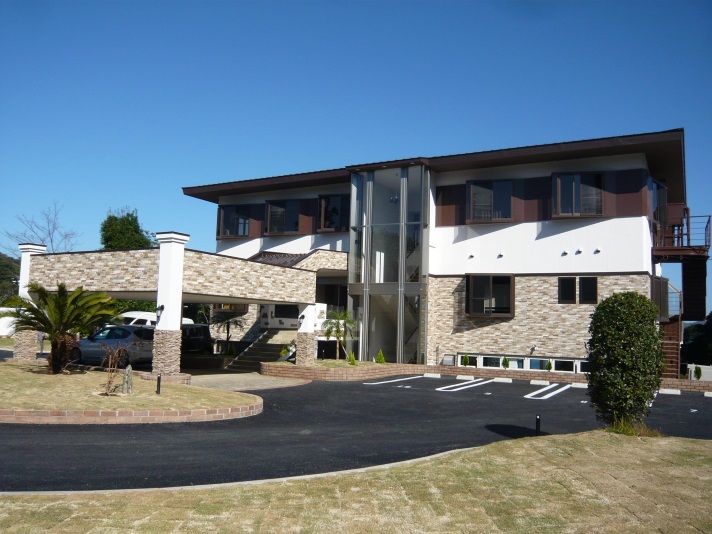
26, 341
166, 346
306, 337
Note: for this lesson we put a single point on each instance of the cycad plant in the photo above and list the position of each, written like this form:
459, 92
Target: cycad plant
60, 316
339, 325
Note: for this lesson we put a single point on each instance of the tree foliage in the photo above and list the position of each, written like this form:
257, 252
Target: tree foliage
9, 276
339, 325
61, 316
43, 229
122, 230
625, 358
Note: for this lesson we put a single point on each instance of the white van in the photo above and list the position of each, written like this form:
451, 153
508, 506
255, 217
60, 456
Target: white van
143, 318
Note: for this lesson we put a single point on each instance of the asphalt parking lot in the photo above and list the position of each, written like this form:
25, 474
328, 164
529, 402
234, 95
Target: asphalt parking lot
313, 428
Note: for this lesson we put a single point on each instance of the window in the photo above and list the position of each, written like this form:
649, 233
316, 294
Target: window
333, 213
567, 290
587, 290
234, 221
283, 216
490, 295
489, 201
577, 195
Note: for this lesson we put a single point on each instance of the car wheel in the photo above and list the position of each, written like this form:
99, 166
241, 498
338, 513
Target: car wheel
123, 359
75, 356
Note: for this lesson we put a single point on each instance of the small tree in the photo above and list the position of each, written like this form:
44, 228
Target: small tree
339, 325
121, 230
227, 322
625, 358
60, 316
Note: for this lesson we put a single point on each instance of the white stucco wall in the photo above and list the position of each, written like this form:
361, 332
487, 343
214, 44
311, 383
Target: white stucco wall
624, 246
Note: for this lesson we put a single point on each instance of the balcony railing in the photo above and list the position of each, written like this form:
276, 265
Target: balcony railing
692, 233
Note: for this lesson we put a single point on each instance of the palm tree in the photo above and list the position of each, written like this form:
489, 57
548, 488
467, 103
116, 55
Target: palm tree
340, 325
60, 316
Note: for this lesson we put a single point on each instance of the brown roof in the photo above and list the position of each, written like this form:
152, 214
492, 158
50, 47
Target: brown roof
664, 151
279, 258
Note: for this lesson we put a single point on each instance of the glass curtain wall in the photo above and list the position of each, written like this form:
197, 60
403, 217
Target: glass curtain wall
386, 261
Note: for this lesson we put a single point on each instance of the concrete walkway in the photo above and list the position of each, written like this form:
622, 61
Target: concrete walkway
239, 381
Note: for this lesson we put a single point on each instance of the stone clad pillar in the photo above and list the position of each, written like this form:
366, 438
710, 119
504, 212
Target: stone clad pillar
167, 341
306, 337
26, 341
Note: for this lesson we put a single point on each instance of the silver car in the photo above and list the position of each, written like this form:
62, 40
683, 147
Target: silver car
133, 344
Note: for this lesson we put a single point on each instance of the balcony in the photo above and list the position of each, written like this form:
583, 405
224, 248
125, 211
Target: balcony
683, 236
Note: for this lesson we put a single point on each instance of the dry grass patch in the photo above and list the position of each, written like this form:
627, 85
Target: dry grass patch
7, 343
590, 482
28, 386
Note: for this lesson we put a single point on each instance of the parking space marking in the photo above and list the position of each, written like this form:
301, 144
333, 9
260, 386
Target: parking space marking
459, 387
391, 381
534, 395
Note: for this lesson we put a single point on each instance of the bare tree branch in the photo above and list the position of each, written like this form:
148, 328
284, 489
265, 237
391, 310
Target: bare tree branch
45, 229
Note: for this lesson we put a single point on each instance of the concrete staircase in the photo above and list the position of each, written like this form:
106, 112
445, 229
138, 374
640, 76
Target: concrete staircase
265, 349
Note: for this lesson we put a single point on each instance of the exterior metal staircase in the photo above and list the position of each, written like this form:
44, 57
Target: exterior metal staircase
266, 349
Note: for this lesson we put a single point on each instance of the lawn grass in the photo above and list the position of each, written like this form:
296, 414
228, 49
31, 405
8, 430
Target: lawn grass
7, 342
28, 386
589, 482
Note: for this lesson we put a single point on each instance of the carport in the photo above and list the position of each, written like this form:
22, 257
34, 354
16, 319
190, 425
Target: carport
169, 275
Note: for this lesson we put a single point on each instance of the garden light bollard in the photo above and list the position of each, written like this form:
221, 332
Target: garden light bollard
538, 424
158, 384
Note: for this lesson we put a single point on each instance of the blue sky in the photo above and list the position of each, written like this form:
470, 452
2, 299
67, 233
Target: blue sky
113, 104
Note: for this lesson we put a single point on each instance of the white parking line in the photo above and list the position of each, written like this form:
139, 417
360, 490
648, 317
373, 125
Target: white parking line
391, 381
534, 394
459, 387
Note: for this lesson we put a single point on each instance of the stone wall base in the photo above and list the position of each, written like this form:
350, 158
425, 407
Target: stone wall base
26, 345
166, 352
306, 350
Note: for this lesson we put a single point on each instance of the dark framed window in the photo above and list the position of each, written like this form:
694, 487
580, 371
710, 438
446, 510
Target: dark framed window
234, 221
588, 290
283, 216
489, 295
489, 201
333, 213
567, 290
576, 195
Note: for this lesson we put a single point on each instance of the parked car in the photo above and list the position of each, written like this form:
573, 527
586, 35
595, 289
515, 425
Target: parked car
135, 344
143, 318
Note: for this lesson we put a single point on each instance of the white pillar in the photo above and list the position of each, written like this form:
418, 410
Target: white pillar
28, 250
170, 279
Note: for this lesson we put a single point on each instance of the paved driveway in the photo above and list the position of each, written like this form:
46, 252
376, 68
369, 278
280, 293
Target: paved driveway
313, 428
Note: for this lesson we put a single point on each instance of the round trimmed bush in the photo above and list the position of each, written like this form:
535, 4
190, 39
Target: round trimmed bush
625, 358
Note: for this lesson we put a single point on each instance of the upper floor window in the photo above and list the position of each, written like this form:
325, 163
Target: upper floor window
489, 201
490, 295
333, 213
577, 195
587, 290
234, 221
283, 216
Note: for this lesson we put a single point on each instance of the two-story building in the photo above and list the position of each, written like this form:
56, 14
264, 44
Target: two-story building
490, 254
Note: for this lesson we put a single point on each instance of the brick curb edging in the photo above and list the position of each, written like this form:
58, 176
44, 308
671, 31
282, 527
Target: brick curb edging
108, 417
311, 372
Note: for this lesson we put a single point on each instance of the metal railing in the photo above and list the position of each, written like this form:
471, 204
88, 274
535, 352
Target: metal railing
694, 232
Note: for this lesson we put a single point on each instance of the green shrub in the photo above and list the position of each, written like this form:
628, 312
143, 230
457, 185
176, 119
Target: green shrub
625, 358
465, 359
698, 372
505, 362
549, 366
352, 358
380, 358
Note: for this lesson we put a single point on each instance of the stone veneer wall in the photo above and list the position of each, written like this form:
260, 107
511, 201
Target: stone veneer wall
250, 331
214, 274
166, 352
116, 270
306, 350
25, 345
325, 259
556, 329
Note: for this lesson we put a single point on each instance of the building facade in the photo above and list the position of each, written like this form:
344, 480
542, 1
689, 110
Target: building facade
492, 254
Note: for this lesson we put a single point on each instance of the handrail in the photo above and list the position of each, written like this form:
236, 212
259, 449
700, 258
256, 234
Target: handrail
694, 232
